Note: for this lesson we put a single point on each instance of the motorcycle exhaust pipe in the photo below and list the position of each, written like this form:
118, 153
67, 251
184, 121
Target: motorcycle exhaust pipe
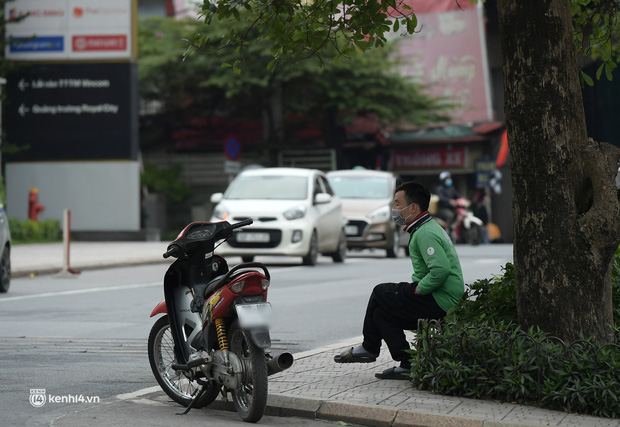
279, 363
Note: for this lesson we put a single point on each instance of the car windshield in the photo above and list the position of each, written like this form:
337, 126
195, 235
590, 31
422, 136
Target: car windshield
270, 187
361, 187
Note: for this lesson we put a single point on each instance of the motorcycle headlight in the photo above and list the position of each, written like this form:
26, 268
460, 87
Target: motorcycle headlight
295, 213
381, 214
221, 212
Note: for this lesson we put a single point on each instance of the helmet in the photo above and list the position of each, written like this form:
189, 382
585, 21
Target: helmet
444, 175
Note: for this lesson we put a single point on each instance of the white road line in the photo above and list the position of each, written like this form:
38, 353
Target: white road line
113, 288
80, 291
135, 394
492, 261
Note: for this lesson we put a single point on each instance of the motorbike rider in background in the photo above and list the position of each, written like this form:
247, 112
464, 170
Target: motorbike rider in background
447, 198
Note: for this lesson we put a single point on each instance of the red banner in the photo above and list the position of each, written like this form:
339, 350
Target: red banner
98, 43
430, 158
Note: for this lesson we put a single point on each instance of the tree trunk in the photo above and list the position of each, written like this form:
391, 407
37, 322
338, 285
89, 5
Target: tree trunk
566, 205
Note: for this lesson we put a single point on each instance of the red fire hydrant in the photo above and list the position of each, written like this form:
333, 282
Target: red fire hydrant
34, 207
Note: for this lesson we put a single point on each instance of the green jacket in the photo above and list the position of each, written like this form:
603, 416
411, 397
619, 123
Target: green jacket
436, 266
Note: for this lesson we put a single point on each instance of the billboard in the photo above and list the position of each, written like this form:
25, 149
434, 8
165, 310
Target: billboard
449, 55
70, 29
73, 111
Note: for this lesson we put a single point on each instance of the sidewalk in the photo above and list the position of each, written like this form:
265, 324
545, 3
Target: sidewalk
48, 258
315, 386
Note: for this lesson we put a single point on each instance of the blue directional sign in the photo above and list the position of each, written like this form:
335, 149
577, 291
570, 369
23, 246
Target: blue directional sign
36, 44
232, 148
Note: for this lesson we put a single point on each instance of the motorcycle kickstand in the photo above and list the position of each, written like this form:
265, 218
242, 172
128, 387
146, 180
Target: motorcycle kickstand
197, 395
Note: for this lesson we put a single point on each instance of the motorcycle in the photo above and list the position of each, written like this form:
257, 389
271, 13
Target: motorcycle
467, 228
214, 335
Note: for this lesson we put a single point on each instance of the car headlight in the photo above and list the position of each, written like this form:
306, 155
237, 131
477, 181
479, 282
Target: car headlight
381, 214
295, 213
221, 212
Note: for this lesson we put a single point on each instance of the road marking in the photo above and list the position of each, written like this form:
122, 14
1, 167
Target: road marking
111, 288
81, 291
492, 260
135, 394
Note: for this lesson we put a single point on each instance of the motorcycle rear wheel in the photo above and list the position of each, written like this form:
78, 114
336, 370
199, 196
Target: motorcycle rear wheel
251, 399
475, 235
174, 383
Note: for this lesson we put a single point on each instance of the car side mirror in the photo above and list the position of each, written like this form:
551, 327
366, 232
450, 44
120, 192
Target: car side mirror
322, 198
216, 197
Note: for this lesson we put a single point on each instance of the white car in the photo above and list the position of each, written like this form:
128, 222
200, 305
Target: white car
295, 213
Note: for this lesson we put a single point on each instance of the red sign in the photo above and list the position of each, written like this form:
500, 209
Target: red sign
430, 158
99, 43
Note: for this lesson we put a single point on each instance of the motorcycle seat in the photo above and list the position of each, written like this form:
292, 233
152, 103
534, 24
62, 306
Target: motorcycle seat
213, 285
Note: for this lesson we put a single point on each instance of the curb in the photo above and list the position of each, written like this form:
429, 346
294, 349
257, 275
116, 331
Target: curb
371, 416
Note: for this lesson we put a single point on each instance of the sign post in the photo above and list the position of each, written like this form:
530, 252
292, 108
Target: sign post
232, 150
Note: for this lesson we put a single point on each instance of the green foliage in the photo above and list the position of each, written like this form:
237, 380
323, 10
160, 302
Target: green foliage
596, 26
165, 181
483, 354
502, 362
195, 84
329, 29
493, 300
299, 30
30, 231
2, 191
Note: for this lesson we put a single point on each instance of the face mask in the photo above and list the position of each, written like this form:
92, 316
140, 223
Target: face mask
448, 183
397, 218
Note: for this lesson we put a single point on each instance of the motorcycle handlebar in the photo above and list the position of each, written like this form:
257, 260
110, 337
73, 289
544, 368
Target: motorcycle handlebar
243, 223
172, 249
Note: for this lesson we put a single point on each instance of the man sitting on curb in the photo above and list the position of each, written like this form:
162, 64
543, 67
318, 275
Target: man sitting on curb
437, 284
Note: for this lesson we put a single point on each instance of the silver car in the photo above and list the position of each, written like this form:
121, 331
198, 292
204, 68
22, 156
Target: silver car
295, 213
5, 258
367, 199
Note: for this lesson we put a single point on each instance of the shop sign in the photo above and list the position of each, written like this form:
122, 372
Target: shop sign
430, 158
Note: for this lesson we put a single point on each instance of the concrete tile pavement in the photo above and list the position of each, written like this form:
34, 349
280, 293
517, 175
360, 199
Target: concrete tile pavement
315, 386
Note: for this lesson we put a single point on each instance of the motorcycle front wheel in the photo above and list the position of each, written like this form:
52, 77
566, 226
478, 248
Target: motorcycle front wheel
250, 399
174, 383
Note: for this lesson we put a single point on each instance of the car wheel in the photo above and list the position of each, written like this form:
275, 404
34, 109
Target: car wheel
5, 270
341, 251
392, 251
313, 251
247, 258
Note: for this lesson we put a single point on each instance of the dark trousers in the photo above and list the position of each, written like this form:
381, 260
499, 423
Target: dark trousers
392, 309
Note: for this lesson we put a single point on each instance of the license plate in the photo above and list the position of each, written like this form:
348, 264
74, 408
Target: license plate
252, 237
254, 315
350, 230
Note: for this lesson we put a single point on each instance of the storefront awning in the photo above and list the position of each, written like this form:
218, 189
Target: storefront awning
450, 134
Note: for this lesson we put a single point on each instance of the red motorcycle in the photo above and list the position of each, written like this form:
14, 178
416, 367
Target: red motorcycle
214, 335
